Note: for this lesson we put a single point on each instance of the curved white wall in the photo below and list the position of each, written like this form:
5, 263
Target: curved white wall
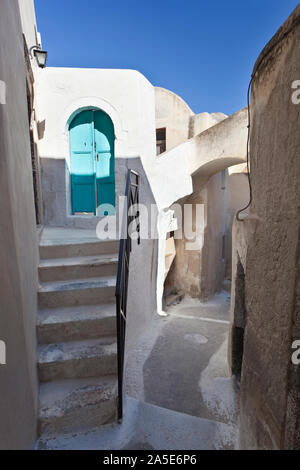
172, 113
125, 95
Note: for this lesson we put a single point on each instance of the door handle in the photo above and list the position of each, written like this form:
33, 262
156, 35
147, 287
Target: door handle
97, 157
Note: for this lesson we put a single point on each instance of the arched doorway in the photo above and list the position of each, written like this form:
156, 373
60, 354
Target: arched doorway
92, 142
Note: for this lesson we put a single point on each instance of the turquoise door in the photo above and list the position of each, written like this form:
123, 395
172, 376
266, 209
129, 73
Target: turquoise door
105, 163
83, 163
92, 163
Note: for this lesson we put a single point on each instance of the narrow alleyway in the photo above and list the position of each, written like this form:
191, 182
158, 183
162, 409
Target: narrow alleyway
179, 392
187, 369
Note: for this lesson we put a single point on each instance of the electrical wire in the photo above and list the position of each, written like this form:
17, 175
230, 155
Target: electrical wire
257, 66
248, 154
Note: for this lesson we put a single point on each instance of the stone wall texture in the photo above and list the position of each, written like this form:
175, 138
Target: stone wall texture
268, 247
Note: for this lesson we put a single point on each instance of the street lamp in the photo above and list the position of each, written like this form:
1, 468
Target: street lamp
40, 55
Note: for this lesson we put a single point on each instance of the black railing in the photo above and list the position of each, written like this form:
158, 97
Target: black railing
132, 198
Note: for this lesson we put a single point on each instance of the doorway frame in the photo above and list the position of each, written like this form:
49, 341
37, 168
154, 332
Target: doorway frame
68, 160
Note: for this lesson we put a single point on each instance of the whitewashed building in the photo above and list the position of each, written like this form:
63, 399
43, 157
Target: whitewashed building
64, 277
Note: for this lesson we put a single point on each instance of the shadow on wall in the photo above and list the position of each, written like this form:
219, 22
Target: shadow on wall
201, 273
56, 191
238, 197
236, 334
142, 302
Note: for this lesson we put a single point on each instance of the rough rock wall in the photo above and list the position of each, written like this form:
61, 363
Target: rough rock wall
269, 249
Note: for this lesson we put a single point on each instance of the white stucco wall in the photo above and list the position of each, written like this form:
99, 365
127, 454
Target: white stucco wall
18, 245
198, 159
28, 20
180, 122
128, 98
174, 114
203, 121
136, 109
220, 146
125, 95
208, 153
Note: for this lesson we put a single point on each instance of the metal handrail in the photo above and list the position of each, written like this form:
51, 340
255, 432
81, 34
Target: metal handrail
132, 197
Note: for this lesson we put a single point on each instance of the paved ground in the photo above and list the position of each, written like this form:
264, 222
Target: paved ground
148, 427
180, 393
187, 370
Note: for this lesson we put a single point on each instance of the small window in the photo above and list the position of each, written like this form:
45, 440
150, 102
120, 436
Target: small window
160, 141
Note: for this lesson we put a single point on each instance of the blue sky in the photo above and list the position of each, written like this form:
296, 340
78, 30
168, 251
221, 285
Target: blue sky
202, 50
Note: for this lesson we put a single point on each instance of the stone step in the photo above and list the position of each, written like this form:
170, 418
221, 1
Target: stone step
76, 323
68, 249
91, 291
60, 269
77, 405
174, 299
90, 358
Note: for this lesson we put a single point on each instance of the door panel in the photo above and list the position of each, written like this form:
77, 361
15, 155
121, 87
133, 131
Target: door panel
105, 160
83, 163
92, 162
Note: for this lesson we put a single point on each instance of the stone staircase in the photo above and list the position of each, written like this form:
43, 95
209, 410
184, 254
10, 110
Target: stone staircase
76, 329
